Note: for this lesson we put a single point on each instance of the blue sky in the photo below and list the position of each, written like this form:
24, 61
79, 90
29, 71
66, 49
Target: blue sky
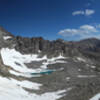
51, 19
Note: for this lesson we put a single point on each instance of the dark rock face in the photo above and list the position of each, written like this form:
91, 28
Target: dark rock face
86, 47
8, 42
34, 45
92, 45
89, 48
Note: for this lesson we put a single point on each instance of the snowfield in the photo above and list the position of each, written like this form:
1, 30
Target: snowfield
7, 37
96, 97
81, 59
11, 89
17, 61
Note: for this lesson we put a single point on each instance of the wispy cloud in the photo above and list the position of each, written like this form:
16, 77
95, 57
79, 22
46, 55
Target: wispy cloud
84, 31
89, 12
86, 12
80, 12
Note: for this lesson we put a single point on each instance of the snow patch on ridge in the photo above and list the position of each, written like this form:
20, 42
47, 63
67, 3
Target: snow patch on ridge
7, 37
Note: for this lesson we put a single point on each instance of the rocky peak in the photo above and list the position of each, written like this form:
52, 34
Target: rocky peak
4, 32
5, 38
91, 44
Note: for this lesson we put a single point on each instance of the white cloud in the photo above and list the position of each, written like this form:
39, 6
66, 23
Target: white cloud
88, 28
89, 12
86, 12
84, 31
98, 26
80, 12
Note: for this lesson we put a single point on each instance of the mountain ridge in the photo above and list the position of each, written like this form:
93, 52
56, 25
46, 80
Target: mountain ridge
48, 70
59, 45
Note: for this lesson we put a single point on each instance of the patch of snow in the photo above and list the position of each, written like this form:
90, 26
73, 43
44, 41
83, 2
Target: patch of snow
7, 37
96, 97
9, 90
61, 57
61, 69
68, 78
81, 59
27, 84
60, 61
28, 75
79, 70
51, 61
93, 67
86, 76
39, 51
87, 65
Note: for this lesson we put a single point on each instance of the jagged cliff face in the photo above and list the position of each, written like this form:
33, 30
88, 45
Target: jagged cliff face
54, 48
48, 70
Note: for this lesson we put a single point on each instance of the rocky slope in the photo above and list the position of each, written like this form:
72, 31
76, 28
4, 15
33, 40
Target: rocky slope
48, 70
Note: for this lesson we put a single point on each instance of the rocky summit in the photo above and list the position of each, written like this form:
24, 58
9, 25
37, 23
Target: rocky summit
39, 69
